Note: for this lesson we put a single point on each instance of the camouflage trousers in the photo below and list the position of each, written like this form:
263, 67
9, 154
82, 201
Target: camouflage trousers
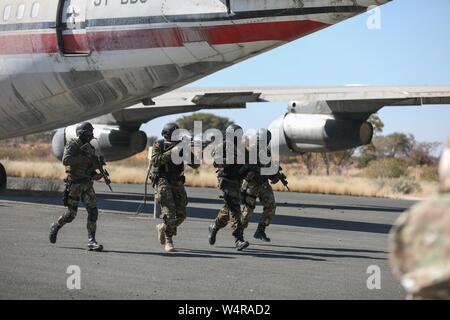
231, 211
85, 192
173, 200
264, 192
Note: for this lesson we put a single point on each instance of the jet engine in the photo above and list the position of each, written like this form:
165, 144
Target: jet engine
113, 142
298, 133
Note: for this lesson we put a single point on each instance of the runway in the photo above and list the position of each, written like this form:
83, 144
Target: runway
321, 248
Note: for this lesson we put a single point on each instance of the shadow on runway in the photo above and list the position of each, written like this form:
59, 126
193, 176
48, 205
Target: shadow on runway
324, 249
259, 253
277, 254
109, 202
137, 197
304, 222
233, 254
178, 253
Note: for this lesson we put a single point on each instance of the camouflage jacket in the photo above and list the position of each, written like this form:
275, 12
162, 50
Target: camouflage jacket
251, 171
79, 165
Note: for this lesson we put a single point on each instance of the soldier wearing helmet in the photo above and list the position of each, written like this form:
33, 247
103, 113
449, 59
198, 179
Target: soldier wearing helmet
256, 185
419, 243
226, 159
171, 193
79, 161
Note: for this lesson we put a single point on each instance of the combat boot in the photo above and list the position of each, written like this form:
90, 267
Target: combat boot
54, 228
212, 234
169, 245
161, 229
94, 246
260, 233
241, 244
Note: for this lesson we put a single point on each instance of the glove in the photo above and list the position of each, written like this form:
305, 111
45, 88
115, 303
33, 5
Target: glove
97, 176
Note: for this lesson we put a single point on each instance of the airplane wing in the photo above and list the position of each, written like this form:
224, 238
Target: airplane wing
350, 101
178, 102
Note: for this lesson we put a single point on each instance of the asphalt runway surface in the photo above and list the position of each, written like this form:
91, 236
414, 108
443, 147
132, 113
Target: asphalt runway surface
322, 248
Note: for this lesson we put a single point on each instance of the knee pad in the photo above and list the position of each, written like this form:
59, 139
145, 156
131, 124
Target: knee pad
92, 214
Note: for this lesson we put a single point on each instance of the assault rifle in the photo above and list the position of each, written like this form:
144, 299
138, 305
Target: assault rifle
98, 163
280, 176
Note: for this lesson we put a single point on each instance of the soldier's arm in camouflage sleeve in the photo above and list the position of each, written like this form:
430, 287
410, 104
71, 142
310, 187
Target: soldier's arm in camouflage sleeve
70, 156
158, 157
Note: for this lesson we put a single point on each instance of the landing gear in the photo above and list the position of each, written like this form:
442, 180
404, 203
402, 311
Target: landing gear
2, 178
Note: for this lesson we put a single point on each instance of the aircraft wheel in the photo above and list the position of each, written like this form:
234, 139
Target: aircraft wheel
2, 178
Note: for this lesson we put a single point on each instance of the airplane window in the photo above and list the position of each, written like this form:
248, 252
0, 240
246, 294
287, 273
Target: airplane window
20, 11
35, 10
7, 13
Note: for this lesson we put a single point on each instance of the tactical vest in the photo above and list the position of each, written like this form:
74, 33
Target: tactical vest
229, 171
173, 172
82, 172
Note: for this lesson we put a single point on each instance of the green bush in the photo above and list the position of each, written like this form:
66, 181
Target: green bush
386, 168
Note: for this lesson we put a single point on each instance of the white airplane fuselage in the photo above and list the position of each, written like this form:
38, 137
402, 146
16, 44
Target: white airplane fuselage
66, 61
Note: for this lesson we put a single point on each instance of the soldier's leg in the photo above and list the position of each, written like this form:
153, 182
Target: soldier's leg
249, 203
181, 201
72, 205
267, 199
232, 198
69, 215
90, 201
221, 221
168, 208
222, 217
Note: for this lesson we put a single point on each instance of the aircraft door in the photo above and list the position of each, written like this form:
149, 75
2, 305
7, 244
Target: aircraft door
72, 34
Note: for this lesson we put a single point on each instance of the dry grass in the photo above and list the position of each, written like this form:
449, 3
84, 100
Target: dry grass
34, 169
349, 184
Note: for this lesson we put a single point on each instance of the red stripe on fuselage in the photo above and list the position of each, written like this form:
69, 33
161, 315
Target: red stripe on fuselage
164, 37
28, 43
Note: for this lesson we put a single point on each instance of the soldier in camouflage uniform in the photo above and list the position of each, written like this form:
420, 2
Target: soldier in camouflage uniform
256, 185
420, 243
79, 161
229, 183
170, 192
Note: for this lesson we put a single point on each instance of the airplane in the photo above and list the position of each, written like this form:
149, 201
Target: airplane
122, 62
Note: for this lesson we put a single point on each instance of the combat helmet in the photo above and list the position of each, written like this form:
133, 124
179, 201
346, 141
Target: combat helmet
169, 129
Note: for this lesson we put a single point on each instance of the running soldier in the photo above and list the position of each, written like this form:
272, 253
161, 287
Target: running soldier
170, 180
256, 185
81, 164
229, 183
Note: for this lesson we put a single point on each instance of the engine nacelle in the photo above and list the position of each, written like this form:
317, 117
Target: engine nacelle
113, 142
297, 133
